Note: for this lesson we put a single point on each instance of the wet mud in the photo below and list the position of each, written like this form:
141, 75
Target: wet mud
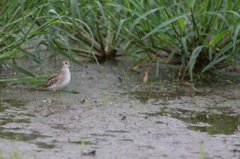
116, 116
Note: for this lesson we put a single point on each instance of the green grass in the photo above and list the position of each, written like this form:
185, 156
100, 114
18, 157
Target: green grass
198, 35
1, 155
202, 152
15, 154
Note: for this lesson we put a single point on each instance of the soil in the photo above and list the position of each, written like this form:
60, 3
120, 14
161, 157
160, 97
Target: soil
116, 116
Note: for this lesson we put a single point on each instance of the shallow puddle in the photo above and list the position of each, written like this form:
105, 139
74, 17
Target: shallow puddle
17, 136
210, 118
84, 142
10, 103
13, 111
13, 117
218, 123
223, 122
45, 145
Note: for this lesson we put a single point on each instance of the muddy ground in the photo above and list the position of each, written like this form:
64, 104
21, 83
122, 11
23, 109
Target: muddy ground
115, 116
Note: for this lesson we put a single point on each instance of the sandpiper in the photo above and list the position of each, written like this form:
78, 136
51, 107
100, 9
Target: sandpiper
59, 80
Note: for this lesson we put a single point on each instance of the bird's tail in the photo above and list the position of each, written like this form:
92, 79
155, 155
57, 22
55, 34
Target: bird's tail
41, 86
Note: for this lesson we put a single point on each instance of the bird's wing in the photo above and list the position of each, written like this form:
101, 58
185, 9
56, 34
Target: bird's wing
50, 81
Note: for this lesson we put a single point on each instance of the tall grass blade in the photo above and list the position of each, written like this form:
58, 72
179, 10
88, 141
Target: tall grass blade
31, 80
165, 24
219, 37
193, 59
74, 4
9, 54
19, 69
236, 36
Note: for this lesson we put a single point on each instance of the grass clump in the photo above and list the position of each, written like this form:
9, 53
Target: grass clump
197, 35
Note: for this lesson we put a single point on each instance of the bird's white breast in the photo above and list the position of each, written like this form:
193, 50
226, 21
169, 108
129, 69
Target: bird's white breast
66, 78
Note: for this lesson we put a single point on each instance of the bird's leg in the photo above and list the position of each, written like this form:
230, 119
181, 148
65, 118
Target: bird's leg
53, 95
59, 95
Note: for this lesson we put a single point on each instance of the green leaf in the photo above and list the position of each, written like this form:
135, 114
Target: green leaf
136, 21
120, 25
219, 57
235, 35
74, 4
70, 90
211, 64
38, 33
9, 54
127, 4
193, 59
165, 24
32, 80
19, 69
67, 44
181, 23
219, 37
185, 47
210, 53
